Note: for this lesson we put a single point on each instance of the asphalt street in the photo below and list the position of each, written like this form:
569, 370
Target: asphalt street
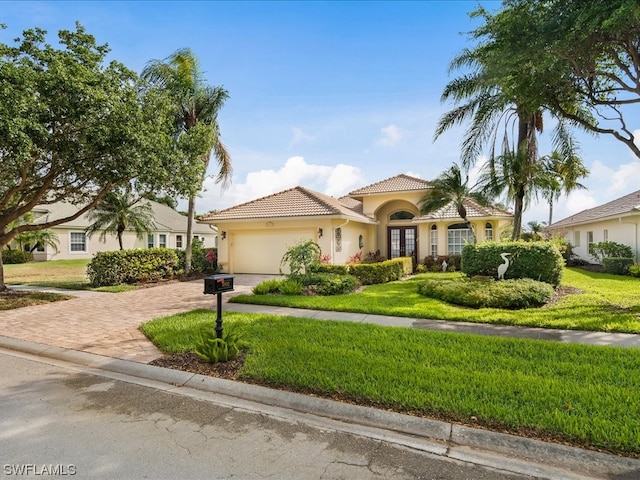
60, 421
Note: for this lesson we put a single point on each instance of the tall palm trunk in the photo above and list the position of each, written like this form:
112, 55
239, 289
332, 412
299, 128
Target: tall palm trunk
550, 211
188, 251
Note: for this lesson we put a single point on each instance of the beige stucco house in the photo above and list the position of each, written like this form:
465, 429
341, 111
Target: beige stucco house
616, 221
383, 216
73, 242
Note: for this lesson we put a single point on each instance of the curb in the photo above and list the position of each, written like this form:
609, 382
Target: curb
497, 450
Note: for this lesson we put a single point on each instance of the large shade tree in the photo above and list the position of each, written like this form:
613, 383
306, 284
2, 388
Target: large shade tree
583, 59
196, 120
74, 129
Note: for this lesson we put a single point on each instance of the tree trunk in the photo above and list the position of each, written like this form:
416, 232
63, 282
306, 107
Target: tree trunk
188, 249
120, 240
550, 211
3, 287
517, 215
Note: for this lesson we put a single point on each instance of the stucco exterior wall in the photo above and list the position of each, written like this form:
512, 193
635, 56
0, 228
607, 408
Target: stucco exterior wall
625, 230
94, 244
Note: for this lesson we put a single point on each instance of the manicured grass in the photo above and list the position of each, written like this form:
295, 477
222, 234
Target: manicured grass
71, 274
608, 303
570, 393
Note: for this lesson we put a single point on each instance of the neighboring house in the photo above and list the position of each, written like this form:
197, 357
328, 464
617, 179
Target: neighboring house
171, 232
384, 216
616, 221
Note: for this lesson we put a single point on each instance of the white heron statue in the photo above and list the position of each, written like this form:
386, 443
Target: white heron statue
502, 269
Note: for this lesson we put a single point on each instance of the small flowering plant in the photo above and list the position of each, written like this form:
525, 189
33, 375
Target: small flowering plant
212, 258
325, 259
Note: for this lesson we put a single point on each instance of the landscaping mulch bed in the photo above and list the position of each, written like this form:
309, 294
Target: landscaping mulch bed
190, 362
10, 299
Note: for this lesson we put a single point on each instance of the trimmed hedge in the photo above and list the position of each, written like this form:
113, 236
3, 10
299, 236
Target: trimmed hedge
329, 268
382, 272
327, 283
507, 294
536, 260
16, 256
132, 266
616, 265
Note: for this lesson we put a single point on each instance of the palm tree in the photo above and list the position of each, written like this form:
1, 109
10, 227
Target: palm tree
448, 188
36, 238
494, 99
119, 211
197, 106
562, 173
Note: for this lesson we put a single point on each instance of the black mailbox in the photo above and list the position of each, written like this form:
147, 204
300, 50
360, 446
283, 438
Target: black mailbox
218, 284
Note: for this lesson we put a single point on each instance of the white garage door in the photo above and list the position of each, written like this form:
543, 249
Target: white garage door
262, 253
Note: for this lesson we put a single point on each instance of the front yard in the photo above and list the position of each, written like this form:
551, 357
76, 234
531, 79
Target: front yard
594, 301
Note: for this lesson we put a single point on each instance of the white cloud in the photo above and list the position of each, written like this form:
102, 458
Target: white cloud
391, 135
335, 180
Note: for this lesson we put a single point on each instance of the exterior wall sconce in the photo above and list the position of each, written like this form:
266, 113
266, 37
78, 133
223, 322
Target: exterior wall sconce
224, 234
319, 233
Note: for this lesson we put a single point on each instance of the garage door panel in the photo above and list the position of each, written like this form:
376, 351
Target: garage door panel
262, 252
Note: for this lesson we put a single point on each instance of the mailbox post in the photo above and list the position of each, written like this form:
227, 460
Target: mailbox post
218, 284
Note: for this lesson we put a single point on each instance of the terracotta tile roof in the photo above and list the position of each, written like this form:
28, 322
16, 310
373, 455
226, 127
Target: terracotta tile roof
628, 204
474, 210
295, 202
352, 203
399, 183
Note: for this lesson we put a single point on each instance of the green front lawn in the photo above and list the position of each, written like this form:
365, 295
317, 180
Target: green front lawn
584, 395
607, 303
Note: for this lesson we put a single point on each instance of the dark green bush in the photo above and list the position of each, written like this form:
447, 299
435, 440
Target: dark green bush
435, 264
199, 261
602, 250
616, 265
16, 256
132, 266
536, 260
328, 268
327, 283
507, 294
383, 272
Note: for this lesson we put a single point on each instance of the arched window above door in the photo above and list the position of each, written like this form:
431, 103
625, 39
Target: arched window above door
401, 215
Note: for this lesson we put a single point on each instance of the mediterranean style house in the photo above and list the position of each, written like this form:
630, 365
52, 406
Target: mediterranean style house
73, 242
384, 216
616, 221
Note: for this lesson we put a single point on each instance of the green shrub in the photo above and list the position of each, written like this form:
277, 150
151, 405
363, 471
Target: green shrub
268, 286
213, 349
199, 261
327, 283
16, 256
291, 287
507, 294
634, 270
301, 257
616, 265
536, 260
132, 266
383, 272
435, 264
602, 250
328, 268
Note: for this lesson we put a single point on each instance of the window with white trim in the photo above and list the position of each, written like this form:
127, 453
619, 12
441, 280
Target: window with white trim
589, 240
576, 238
605, 235
434, 241
77, 242
178, 241
162, 240
488, 232
150, 241
458, 236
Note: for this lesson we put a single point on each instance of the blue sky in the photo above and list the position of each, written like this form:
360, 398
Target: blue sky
329, 95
